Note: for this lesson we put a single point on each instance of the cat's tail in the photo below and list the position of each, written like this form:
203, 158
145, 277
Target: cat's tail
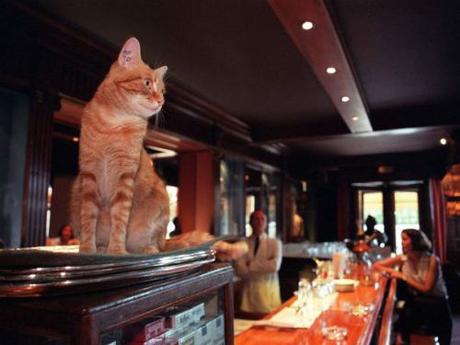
187, 240
225, 251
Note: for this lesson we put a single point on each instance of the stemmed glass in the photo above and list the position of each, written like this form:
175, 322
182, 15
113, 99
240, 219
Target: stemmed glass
303, 295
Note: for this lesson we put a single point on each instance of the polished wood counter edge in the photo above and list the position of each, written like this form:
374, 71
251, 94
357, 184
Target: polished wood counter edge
137, 295
387, 315
360, 328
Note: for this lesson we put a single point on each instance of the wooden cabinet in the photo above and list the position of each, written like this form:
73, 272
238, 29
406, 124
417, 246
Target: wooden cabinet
105, 317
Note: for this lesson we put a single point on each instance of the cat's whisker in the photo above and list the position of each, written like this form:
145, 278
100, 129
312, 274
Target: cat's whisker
160, 119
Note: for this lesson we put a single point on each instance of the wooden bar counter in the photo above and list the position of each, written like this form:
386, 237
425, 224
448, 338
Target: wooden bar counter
360, 328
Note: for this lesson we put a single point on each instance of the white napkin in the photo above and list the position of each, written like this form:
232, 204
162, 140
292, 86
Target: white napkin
292, 317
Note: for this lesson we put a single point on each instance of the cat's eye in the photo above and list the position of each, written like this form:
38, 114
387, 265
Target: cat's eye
147, 82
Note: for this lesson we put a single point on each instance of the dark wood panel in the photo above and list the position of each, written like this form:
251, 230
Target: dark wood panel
416, 117
285, 134
196, 107
38, 167
406, 166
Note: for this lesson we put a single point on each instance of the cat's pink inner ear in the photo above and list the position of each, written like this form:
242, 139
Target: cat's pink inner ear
162, 71
130, 54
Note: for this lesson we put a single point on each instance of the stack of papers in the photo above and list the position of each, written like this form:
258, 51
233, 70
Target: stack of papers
240, 325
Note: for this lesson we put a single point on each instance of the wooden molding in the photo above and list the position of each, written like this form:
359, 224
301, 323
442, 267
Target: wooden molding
185, 101
407, 165
321, 47
267, 135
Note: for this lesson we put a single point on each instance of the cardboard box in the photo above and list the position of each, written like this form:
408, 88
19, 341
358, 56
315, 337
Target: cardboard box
217, 329
203, 333
159, 340
185, 336
171, 341
150, 329
184, 317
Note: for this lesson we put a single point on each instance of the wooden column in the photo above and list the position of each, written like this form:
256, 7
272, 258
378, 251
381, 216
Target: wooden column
389, 215
196, 191
287, 211
38, 167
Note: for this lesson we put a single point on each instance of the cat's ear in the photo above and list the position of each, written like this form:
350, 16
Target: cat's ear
161, 71
130, 54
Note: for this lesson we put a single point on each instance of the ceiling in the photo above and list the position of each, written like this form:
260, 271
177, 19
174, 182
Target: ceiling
398, 61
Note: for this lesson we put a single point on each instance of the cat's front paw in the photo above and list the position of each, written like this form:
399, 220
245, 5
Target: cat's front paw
151, 249
87, 248
117, 250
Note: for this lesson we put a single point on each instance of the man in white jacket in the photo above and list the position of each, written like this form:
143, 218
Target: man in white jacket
259, 268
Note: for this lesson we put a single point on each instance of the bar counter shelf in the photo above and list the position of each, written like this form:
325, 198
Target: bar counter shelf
109, 317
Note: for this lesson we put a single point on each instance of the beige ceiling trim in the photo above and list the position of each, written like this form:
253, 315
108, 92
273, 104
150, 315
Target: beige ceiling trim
321, 47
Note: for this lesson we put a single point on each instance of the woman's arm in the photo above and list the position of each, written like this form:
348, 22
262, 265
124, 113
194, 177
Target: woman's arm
427, 284
388, 265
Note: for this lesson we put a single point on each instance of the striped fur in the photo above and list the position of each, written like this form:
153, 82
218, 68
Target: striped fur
119, 204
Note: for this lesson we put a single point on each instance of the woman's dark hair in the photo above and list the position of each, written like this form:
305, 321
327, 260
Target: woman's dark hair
418, 239
61, 230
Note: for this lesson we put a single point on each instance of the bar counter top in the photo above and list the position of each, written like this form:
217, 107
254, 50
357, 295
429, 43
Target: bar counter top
360, 327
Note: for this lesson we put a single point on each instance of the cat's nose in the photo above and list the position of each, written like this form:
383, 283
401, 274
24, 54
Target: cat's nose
157, 99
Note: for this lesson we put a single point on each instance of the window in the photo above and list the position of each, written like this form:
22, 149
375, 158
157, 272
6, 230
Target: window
250, 207
231, 198
394, 205
406, 214
373, 206
172, 194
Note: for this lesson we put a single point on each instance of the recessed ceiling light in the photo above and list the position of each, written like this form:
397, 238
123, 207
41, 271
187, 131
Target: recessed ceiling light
331, 70
355, 118
75, 139
443, 141
385, 169
345, 99
307, 25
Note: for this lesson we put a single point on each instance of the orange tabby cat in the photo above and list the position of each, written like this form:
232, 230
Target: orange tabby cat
119, 204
